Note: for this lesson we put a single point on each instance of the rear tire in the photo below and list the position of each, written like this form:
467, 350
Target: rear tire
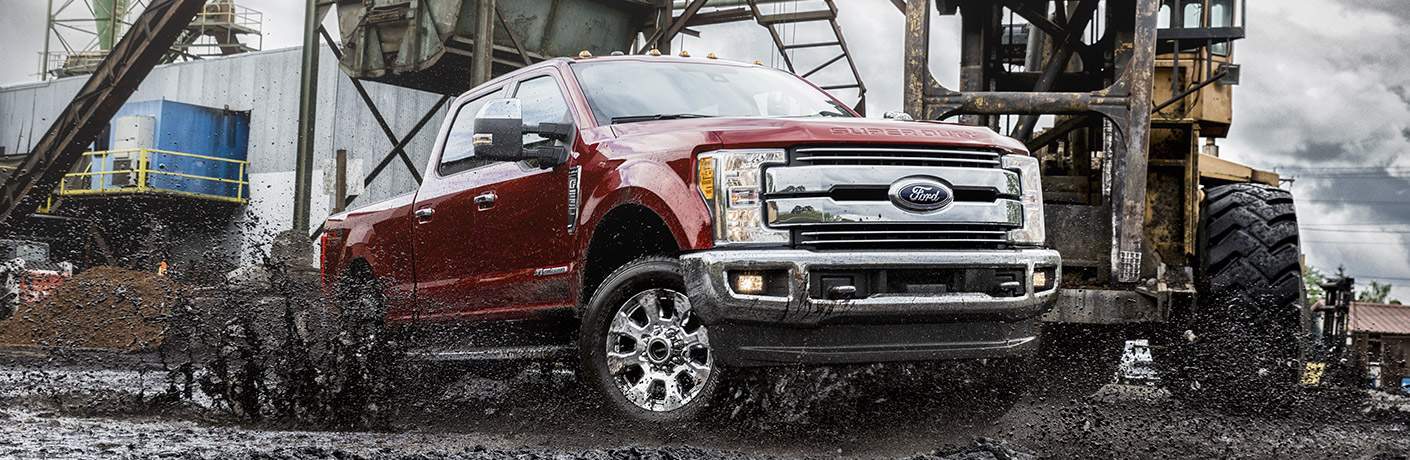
1238, 348
642, 348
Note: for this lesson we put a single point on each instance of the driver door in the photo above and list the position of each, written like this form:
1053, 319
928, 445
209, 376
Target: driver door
522, 217
492, 237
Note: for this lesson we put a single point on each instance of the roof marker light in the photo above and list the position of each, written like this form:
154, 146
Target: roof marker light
685, 53
711, 56
584, 54
653, 52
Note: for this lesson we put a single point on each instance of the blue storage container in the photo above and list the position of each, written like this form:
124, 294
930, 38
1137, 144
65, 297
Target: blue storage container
190, 150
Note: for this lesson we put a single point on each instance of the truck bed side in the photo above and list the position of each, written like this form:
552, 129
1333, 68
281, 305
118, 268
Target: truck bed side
377, 238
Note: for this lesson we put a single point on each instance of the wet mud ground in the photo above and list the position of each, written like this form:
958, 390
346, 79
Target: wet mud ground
105, 407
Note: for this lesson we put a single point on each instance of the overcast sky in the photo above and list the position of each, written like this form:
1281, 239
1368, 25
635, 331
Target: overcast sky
1325, 86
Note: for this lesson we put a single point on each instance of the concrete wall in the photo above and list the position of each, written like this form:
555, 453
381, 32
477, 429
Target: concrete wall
266, 84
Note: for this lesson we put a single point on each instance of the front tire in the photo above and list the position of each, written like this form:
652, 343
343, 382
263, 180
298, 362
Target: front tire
1239, 347
642, 347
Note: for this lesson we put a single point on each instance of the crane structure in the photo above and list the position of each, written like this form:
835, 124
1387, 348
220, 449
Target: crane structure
144, 45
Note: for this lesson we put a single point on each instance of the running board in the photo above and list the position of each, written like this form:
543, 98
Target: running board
514, 353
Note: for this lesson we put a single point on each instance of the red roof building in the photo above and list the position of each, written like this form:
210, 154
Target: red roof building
1380, 334
1378, 318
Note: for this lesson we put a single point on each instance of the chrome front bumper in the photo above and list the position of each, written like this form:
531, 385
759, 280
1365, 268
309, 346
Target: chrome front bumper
715, 302
749, 330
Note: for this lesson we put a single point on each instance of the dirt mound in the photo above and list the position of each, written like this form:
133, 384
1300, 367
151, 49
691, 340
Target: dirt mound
103, 307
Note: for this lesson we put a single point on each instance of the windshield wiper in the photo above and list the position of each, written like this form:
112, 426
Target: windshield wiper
659, 116
823, 114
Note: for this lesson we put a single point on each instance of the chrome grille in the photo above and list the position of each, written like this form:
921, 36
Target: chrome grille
895, 156
835, 197
909, 236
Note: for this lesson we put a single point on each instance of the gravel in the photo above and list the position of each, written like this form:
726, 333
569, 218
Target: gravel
71, 411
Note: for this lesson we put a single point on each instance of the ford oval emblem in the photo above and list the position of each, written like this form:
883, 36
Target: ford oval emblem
921, 194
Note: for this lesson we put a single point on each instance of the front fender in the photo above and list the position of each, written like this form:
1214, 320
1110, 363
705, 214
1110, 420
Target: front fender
658, 186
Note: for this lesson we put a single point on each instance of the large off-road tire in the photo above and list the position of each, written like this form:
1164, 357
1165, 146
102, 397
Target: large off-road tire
642, 348
1238, 348
1075, 361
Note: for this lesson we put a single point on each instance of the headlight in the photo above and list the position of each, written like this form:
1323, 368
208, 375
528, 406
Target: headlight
730, 182
1031, 181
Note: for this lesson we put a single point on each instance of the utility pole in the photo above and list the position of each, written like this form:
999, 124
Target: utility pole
48, 30
308, 105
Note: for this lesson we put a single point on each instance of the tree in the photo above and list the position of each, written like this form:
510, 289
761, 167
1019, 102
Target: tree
1312, 279
1374, 293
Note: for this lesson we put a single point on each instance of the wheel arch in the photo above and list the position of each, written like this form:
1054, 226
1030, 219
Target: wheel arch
626, 232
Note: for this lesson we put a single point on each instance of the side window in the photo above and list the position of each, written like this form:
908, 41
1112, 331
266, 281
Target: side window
543, 103
459, 152
1194, 15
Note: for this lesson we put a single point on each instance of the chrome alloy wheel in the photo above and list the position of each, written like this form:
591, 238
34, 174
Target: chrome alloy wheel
658, 353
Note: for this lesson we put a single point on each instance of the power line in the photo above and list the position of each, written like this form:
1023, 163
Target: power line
1352, 224
1338, 230
1354, 201
1347, 176
1342, 168
1382, 278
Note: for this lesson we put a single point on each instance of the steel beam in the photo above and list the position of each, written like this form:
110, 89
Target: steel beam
80, 123
918, 81
398, 144
679, 23
1057, 132
1129, 191
401, 145
1065, 45
308, 112
482, 64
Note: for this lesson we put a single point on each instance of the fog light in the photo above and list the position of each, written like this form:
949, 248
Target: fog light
1043, 279
749, 283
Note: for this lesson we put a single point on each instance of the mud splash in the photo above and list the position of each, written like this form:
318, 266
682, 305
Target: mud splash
283, 353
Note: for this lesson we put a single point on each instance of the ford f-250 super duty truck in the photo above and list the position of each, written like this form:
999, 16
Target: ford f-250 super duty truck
689, 215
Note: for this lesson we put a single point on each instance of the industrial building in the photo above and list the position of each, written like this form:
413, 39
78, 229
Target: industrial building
265, 86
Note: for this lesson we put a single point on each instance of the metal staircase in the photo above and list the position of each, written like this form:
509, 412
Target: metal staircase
773, 21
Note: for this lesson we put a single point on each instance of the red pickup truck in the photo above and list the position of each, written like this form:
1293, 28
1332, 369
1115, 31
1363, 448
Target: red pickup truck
669, 217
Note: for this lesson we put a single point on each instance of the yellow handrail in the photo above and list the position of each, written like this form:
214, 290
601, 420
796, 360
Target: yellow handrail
144, 172
141, 170
202, 157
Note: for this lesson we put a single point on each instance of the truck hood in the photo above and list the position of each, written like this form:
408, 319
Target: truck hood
782, 132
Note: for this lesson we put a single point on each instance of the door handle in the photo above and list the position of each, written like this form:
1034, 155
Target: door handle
423, 215
485, 200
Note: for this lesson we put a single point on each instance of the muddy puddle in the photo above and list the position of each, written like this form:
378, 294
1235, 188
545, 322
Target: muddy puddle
72, 411
234, 374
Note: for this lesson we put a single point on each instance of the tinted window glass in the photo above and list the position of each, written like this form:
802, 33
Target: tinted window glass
623, 90
459, 153
543, 103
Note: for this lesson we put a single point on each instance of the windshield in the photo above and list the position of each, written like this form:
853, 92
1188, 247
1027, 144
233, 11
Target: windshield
626, 91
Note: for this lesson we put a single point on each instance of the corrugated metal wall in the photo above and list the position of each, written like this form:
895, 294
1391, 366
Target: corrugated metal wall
267, 85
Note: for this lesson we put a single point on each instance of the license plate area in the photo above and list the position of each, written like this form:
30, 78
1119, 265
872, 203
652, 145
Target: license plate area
994, 281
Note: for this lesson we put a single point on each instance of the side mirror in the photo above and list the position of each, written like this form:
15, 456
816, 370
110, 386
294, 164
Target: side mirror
499, 135
499, 131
